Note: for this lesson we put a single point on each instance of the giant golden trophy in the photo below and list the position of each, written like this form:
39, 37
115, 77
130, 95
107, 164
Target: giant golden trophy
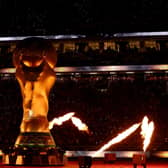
34, 59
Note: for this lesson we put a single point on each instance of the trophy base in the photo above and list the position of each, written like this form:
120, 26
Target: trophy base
35, 139
35, 148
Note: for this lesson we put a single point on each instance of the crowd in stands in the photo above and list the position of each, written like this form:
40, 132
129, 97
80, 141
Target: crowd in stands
96, 57
130, 56
108, 104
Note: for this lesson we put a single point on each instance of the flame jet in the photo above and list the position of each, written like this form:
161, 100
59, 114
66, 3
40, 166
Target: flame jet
60, 120
146, 132
78, 123
118, 138
69, 116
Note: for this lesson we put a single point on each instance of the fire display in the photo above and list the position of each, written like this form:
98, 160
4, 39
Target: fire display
118, 138
146, 132
60, 120
147, 129
69, 116
78, 123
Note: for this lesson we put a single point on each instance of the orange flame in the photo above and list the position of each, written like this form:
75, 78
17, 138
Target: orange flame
60, 120
146, 132
78, 123
118, 138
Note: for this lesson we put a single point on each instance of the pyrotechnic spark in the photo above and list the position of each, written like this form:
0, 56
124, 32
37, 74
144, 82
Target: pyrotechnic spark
118, 138
146, 132
60, 120
78, 123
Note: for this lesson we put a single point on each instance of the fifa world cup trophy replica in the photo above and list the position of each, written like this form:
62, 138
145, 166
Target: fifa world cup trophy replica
34, 59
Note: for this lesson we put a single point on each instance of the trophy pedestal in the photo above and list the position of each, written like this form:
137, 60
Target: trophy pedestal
35, 148
35, 139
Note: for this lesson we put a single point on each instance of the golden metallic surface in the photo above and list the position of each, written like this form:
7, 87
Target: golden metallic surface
34, 59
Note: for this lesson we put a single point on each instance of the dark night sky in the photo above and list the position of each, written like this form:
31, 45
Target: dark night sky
35, 17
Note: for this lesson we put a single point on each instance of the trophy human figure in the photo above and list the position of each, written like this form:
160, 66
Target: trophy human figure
34, 59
